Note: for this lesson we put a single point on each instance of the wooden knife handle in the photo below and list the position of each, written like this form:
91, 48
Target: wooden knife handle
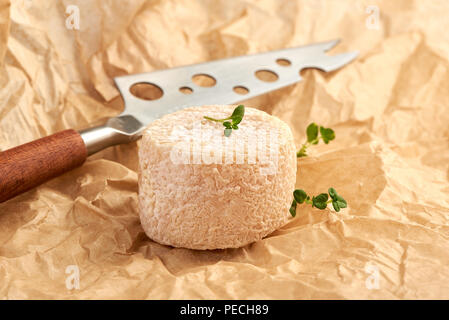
33, 163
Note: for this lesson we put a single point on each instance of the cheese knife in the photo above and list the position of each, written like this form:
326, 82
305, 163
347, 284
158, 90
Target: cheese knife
227, 81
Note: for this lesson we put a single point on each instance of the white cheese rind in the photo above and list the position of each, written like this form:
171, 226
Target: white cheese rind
215, 205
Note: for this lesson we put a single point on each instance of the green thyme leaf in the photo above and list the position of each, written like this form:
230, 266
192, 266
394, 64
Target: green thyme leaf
341, 202
227, 132
300, 195
332, 193
293, 208
327, 134
301, 153
320, 201
227, 124
312, 132
238, 114
336, 206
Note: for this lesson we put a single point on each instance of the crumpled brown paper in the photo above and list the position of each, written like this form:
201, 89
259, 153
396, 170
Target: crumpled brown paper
390, 159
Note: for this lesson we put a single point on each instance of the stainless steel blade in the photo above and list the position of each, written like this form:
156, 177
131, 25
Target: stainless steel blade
228, 73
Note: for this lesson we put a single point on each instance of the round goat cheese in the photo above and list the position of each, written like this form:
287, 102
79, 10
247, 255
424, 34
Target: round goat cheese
199, 189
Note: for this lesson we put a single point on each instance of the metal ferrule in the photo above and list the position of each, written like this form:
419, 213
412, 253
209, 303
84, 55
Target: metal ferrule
116, 131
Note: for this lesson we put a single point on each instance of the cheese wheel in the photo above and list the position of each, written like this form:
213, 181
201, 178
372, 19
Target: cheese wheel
199, 189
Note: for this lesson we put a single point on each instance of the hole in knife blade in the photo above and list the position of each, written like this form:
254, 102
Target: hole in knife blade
186, 90
266, 75
283, 62
204, 80
240, 90
146, 91
303, 71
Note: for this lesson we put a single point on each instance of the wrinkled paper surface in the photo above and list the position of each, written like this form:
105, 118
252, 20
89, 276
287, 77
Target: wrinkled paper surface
390, 159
